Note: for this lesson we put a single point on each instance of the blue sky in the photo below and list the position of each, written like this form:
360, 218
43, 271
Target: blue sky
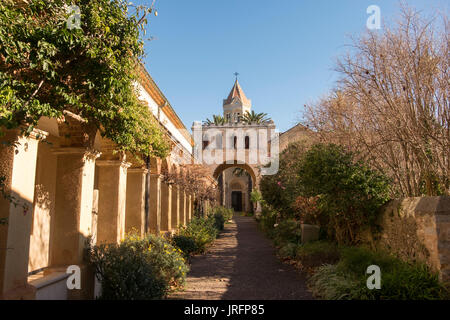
284, 51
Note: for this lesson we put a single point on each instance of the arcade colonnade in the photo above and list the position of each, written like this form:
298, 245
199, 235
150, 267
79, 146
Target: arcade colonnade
64, 184
66, 189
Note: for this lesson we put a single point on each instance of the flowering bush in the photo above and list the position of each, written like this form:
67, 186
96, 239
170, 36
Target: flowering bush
202, 231
169, 260
138, 268
186, 244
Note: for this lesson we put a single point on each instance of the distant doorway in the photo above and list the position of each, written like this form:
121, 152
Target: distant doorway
236, 200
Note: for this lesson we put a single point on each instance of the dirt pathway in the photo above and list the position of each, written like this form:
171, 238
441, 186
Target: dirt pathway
242, 265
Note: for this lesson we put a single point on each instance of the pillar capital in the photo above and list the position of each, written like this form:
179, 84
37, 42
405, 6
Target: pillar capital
113, 163
137, 170
38, 134
75, 131
89, 154
35, 133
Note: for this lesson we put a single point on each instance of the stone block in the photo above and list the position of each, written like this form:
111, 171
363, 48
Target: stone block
309, 232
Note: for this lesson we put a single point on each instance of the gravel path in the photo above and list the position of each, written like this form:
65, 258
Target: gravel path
242, 265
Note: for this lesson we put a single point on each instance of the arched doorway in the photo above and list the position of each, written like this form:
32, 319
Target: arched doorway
236, 182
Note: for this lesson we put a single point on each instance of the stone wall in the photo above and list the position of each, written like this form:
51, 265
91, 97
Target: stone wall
297, 133
418, 229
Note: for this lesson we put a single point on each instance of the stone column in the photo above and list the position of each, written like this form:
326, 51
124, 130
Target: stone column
166, 207
17, 166
182, 207
72, 221
155, 203
112, 186
135, 202
175, 207
193, 206
189, 208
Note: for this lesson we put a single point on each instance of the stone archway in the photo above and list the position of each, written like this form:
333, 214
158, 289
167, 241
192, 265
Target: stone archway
230, 195
254, 174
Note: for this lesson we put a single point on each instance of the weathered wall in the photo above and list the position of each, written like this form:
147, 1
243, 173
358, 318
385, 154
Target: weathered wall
296, 134
418, 229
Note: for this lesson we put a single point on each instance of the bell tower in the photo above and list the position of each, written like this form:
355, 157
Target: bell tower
237, 104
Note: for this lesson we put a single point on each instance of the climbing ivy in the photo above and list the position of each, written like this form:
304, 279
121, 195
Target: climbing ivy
47, 67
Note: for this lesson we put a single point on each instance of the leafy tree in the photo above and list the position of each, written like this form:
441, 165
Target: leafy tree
281, 189
348, 191
47, 69
253, 117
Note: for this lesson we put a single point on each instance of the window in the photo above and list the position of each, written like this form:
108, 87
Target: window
247, 142
219, 141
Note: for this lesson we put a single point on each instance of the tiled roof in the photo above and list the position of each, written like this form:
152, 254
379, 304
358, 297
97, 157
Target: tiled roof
237, 91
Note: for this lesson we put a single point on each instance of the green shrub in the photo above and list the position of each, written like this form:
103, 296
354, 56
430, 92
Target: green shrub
186, 244
202, 231
399, 280
348, 191
267, 221
255, 197
225, 212
219, 221
317, 253
327, 185
288, 250
281, 189
287, 231
169, 260
357, 259
330, 284
137, 268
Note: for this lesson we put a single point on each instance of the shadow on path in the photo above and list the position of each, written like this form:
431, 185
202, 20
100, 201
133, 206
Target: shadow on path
242, 265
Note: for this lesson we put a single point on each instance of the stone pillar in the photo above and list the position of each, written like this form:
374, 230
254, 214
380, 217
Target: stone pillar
175, 207
112, 186
155, 203
17, 166
72, 222
189, 208
182, 207
135, 202
166, 207
193, 206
